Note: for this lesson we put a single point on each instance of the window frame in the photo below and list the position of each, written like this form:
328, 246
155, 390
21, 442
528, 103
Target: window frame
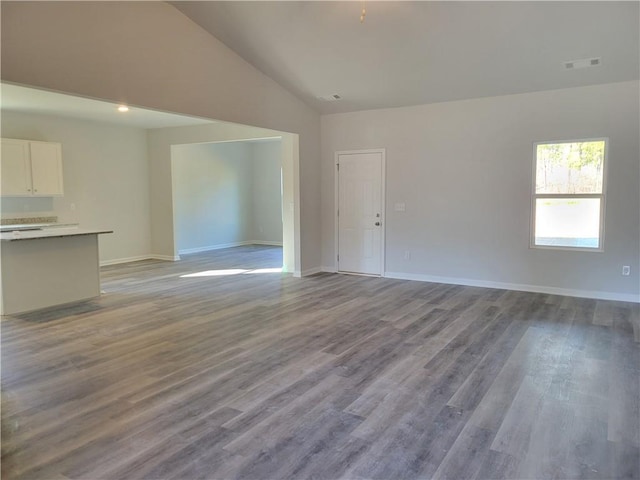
602, 196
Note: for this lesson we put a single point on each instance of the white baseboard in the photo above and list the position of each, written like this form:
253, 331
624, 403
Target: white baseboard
599, 295
311, 271
186, 251
168, 258
117, 261
207, 248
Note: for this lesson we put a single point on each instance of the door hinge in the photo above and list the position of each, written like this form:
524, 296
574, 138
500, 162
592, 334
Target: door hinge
338, 212
338, 257
338, 165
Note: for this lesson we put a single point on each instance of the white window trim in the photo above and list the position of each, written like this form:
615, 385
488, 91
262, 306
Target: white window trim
601, 196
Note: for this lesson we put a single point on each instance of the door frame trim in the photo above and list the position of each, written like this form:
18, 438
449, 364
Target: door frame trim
336, 204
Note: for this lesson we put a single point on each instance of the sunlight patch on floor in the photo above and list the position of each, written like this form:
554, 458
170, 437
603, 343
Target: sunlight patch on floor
232, 271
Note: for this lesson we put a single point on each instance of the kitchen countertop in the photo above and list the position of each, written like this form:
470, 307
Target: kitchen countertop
49, 232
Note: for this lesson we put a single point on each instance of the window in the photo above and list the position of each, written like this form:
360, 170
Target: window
568, 195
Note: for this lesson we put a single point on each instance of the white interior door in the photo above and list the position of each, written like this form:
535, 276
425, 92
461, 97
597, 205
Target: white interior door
360, 212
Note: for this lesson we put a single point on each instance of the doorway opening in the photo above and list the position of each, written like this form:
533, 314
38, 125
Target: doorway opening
236, 190
228, 194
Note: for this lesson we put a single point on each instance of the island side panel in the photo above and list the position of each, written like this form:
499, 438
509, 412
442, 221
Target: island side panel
44, 272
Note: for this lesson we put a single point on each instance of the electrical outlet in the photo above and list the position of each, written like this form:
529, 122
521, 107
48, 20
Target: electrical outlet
407, 255
626, 270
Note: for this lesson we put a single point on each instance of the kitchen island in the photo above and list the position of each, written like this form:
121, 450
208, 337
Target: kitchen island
48, 267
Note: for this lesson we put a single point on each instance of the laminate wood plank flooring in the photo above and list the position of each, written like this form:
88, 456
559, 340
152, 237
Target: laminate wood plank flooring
220, 367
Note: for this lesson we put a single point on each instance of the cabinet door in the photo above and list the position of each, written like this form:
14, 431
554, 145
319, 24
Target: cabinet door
46, 168
15, 171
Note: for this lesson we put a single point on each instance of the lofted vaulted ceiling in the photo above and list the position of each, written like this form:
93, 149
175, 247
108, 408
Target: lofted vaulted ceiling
409, 53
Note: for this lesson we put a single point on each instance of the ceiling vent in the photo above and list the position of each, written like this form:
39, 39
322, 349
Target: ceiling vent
583, 63
330, 98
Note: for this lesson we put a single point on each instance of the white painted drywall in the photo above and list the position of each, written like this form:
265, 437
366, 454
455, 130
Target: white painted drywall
151, 55
212, 195
106, 180
464, 171
266, 160
226, 194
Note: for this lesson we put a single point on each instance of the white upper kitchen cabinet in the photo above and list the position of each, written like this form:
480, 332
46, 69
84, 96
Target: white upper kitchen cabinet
15, 169
46, 168
30, 168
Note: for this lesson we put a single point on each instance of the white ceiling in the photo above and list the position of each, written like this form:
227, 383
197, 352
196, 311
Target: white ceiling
17, 98
405, 53
408, 53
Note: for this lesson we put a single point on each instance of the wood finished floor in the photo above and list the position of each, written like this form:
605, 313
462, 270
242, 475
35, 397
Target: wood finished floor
257, 375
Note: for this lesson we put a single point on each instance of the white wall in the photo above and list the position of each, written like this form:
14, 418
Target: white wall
464, 170
267, 198
106, 180
226, 193
212, 195
150, 55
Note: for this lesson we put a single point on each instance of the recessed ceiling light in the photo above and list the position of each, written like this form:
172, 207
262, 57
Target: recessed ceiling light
123, 108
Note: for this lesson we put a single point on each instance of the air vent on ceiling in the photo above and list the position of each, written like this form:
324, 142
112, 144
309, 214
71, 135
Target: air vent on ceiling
583, 63
330, 98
